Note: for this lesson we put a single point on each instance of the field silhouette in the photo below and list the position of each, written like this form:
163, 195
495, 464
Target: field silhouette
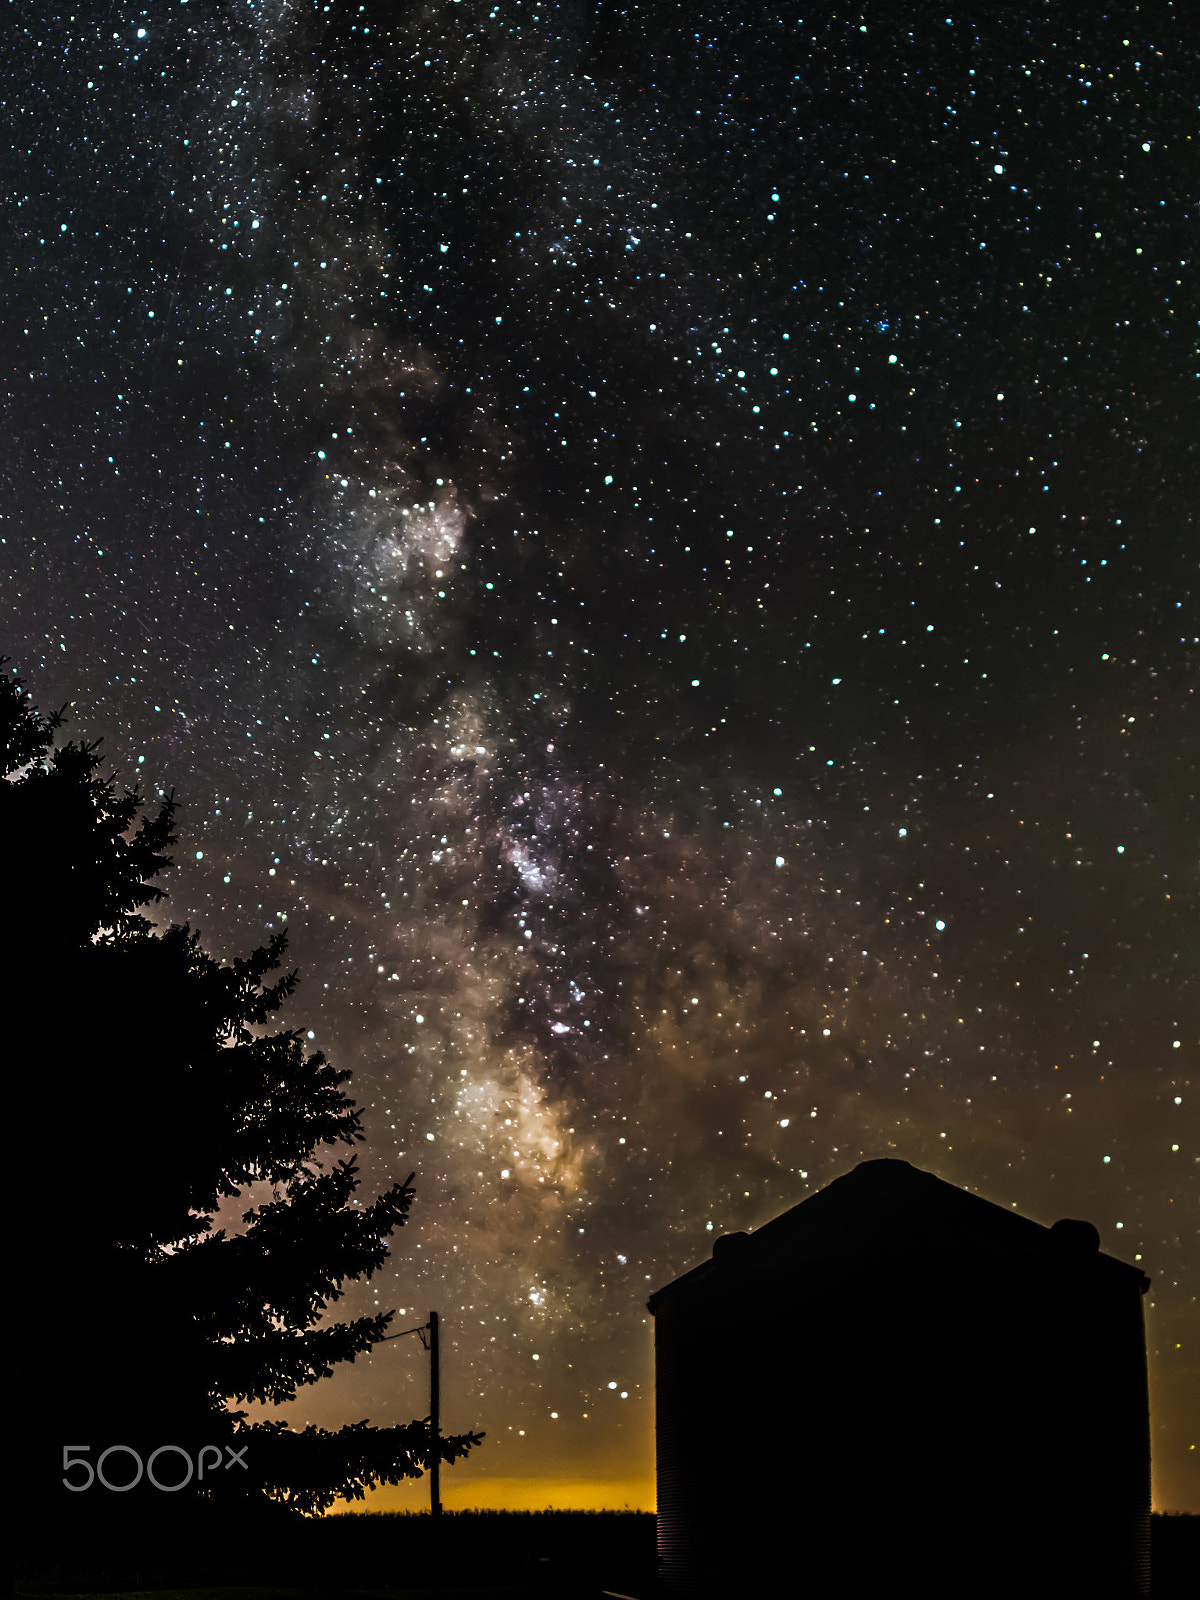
572, 1555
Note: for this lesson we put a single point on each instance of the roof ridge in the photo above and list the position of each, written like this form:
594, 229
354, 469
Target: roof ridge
886, 1207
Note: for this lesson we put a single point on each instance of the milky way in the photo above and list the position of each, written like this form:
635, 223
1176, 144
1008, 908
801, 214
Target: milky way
660, 544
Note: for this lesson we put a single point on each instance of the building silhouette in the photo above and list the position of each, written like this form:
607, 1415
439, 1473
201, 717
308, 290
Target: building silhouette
898, 1383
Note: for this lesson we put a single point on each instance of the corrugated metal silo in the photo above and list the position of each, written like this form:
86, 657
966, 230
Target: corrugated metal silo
899, 1382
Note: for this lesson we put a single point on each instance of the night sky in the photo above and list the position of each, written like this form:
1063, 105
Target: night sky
659, 542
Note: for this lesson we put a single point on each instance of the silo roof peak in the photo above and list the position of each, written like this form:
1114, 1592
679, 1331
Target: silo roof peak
887, 1208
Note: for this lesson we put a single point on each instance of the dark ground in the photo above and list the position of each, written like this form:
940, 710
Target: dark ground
479, 1555
512, 1554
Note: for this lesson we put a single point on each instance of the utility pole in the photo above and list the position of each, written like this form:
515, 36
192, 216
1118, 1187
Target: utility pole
435, 1497
430, 1343
435, 1398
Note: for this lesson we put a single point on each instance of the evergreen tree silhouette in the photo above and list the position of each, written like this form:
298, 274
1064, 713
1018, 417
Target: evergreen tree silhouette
152, 1092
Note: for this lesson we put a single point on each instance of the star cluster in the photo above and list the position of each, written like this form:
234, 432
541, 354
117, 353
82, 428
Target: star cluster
659, 543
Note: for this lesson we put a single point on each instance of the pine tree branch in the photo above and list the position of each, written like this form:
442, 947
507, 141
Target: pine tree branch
273, 1365
311, 1469
294, 1256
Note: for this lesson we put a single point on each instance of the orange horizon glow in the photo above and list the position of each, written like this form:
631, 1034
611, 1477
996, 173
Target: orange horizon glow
509, 1494
545, 1494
